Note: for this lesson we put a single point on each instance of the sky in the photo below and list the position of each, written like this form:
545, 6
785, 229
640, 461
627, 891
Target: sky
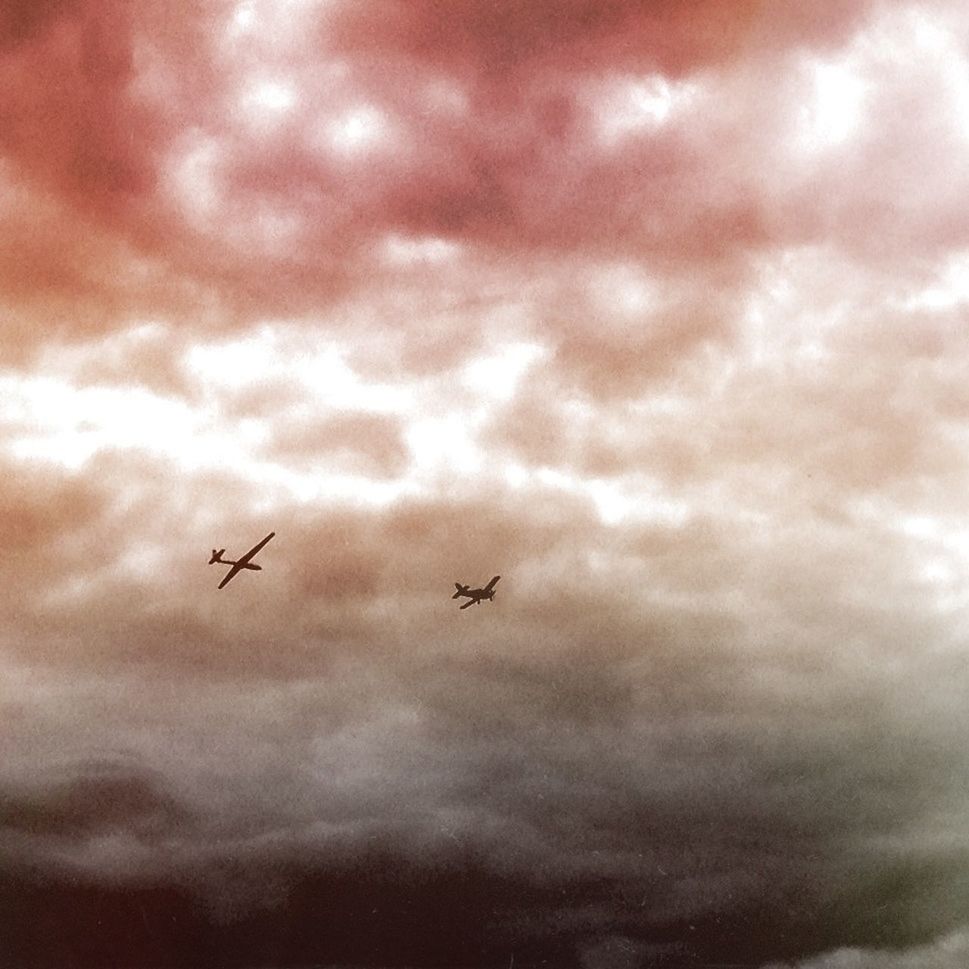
655, 308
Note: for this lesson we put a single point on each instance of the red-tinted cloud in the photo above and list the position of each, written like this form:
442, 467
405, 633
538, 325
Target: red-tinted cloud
488, 138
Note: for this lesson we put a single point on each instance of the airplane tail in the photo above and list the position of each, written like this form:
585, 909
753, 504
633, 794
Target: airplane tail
216, 556
462, 590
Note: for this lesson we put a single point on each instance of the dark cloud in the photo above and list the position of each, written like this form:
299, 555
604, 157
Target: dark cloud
761, 832
93, 799
660, 35
75, 124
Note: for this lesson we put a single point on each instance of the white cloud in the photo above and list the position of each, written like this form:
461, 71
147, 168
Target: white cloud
834, 109
57, 422
279, 355
271, 96
408, 251
192, 182
497, 375
949, 290
357, 131
629, 106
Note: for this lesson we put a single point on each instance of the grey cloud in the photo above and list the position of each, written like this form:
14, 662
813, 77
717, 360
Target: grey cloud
706, 800
90, 798
943, 953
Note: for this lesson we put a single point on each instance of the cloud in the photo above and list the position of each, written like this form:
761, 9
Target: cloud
660, 764
653, 310
663, 35
415, 792
714, 718
174, 186
940, 954
92, 799
366, 444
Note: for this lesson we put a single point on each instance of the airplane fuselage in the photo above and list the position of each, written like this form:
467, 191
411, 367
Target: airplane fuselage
477, 594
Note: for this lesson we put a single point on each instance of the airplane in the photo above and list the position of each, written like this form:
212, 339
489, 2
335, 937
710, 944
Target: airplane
239, 564
476, 595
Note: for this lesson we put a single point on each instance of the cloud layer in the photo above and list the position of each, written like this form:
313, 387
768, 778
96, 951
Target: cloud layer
656, 310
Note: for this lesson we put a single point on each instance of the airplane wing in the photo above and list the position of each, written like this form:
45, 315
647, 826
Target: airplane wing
231, 574
245, 558
470, 602
492, 584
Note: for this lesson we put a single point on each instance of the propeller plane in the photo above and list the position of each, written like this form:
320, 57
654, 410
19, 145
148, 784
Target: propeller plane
474, 596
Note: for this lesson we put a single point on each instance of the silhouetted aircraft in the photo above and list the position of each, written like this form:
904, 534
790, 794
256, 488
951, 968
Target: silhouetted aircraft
239, 564
475, 595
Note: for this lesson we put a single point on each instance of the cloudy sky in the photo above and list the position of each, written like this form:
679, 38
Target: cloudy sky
657, 308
